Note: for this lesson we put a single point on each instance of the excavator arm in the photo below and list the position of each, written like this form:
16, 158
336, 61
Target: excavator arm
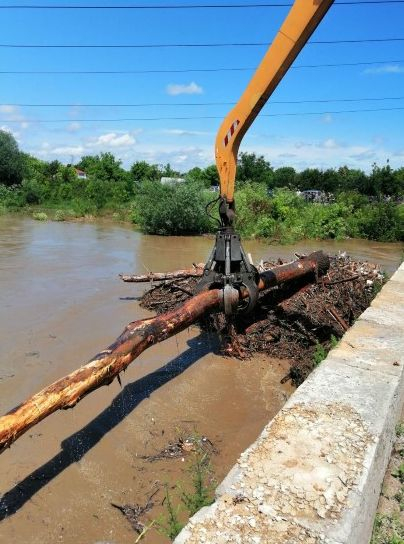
228, 266
297, 28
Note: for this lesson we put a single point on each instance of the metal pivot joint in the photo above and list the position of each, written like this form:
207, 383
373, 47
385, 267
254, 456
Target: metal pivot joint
228, 268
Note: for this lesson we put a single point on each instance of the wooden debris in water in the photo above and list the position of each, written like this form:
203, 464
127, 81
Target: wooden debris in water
136, 338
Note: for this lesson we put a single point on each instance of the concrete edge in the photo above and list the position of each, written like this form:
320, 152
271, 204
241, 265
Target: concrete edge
315, 472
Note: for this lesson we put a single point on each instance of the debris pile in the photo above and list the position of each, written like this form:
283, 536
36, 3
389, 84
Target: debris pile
295, 322
133, 512
182, 447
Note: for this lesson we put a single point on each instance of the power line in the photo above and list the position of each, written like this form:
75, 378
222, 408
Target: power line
185, 6
188, 70
183, 45
198, 104
141, 119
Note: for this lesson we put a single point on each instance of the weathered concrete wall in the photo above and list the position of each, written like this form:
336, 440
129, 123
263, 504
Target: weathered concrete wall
314, 474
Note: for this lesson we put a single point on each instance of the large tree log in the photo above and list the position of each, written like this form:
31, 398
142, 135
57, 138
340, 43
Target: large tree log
194, 272
137, 337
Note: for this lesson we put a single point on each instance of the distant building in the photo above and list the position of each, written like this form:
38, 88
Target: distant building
171, 181
80, 174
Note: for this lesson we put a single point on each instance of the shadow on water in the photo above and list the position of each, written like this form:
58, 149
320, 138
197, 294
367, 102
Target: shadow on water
77, 445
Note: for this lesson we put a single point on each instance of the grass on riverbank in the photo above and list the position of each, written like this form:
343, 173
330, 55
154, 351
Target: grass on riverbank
180, 209
389, 522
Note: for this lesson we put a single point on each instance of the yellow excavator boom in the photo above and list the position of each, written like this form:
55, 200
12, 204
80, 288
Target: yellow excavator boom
300, 23
228, 267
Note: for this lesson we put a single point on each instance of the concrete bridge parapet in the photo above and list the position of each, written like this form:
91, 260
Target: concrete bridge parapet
314, 474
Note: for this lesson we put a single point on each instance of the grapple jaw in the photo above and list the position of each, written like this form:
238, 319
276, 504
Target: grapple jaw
229, 269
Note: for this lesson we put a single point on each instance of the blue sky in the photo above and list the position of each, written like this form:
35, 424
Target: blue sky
324, 140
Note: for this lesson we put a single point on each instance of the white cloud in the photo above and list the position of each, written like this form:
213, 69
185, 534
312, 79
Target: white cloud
327, 153
113, 139
73, 127
6, 128
75, 150
386, 69
75, 111
299, 144
330, 143
184, 158
378, 139
174, 89
13, 113
7, 108
365, 155
327, 118
181, 132
181, 159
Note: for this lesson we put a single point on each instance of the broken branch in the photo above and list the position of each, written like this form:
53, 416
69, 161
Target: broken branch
194, 272
332, 311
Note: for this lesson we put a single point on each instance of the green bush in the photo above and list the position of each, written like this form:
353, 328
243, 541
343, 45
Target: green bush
172, 209
286, 205
326, 221
265, 227
40, 216
11, 197
32, 192
11, 160
253, 209
319, 354
379, 221
60, 215
82, 208
180, 208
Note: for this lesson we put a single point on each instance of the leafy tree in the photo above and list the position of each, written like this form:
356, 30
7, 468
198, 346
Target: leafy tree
285, 176
103, 167
51, 169
168, 172
195, 174
351, 179
330, 181
399, 181
143, 171
11, 160
377, 179
382, 181
208, 176
311, 178
107, 181
253, 168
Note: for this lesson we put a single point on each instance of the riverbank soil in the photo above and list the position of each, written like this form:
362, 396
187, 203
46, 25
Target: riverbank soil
389, 521
299, 322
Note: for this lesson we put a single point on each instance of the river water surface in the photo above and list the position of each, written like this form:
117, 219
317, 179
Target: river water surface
61, 301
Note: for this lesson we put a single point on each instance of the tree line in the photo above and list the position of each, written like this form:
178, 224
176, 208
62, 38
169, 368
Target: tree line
365, 205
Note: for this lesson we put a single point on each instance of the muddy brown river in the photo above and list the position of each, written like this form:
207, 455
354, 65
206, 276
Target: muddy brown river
60, 303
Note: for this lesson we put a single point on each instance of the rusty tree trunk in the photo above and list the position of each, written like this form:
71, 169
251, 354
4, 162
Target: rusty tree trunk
136, 338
